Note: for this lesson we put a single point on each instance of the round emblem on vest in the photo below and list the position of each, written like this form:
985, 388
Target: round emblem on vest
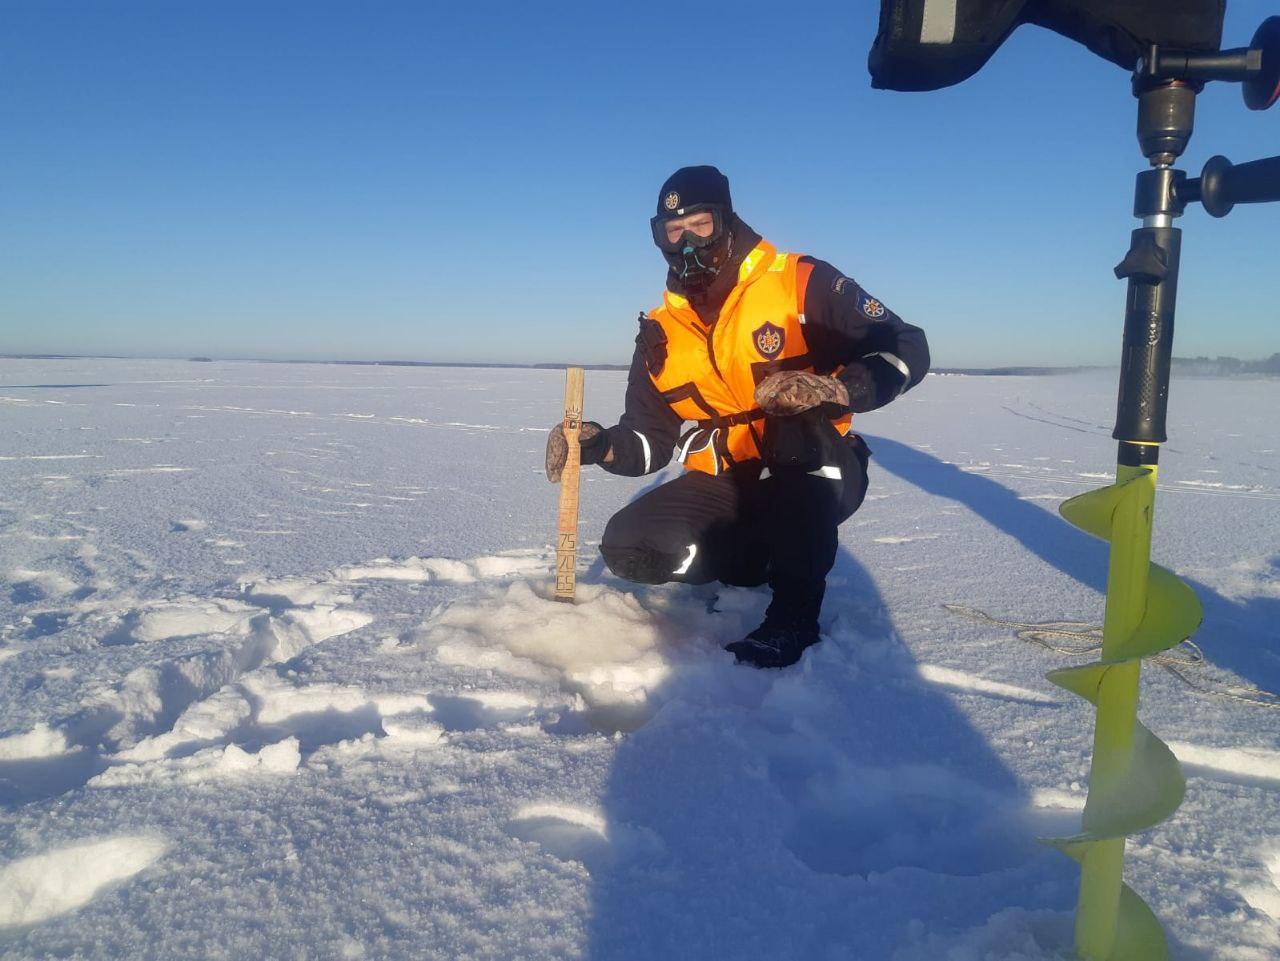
671, 201
871, 307
769, 338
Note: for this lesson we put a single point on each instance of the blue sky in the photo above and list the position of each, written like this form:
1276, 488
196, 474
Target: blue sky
473, 182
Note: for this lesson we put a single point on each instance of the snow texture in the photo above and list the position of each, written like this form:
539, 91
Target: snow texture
282, 678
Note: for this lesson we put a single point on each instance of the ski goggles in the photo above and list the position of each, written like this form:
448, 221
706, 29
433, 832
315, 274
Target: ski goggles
688, 237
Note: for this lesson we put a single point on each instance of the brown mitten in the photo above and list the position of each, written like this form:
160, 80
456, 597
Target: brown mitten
591, 439
795, 391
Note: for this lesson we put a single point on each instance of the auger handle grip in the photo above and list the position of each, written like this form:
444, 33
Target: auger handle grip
1224, 184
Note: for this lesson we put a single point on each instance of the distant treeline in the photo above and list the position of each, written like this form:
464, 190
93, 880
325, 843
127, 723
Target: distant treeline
1226, 366
444, 363
1203, 366
1009, 371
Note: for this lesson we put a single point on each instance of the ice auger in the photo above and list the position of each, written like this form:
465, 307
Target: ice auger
1136, 782
1172, 48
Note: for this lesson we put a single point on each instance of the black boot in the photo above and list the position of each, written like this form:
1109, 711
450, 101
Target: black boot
790, 625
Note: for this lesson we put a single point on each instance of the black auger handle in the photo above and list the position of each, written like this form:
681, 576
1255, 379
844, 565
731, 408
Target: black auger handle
1263, 88
1222, 184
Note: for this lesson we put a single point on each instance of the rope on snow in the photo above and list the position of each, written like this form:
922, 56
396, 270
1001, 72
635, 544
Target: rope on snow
1191, 668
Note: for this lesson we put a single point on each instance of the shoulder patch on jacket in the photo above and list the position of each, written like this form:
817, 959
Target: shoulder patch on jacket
652, 341
868, 306
871, 308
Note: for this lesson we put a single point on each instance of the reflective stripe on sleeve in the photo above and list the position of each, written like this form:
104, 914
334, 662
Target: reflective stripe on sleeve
688, 561
645, 443
898, 365
829, 471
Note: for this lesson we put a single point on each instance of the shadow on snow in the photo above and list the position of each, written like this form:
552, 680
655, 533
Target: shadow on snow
813, 812
1234, 634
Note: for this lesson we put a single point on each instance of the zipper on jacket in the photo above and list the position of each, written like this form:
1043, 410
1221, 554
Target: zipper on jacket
709, 334
711, 353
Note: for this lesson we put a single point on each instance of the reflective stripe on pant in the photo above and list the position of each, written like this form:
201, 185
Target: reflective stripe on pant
737, 527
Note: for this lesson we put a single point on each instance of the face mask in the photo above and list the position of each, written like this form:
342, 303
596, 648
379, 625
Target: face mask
694, 259
698, 266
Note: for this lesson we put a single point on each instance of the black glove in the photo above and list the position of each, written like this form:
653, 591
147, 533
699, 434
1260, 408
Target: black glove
593, 442
806, 441
872, 382
860, 386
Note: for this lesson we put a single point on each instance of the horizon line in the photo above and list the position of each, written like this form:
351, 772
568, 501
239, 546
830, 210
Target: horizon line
560, 365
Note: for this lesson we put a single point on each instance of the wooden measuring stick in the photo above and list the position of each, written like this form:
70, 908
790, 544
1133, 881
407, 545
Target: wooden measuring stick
567, 533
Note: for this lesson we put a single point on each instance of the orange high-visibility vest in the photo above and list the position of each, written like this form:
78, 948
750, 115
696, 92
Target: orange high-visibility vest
710, 374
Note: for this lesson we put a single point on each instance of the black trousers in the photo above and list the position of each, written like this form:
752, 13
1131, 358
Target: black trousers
759, 522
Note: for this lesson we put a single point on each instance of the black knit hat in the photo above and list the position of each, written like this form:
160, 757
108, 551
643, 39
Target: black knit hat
693, 185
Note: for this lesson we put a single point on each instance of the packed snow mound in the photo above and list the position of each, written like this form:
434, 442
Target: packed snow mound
286, 592
611, 647
603, 627
40, 742
43, 886
211, 764
447, 570
40, 585
191, 617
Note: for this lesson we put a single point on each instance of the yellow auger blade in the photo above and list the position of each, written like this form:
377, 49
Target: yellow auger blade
1150, 790
1173, 613
1135, 782
1092, 511
1138, 934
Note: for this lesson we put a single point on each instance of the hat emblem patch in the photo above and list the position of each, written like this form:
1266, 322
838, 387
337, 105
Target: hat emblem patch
671, 201
769, 339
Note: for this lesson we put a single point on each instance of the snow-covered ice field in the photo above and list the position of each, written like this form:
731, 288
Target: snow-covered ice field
279, 678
